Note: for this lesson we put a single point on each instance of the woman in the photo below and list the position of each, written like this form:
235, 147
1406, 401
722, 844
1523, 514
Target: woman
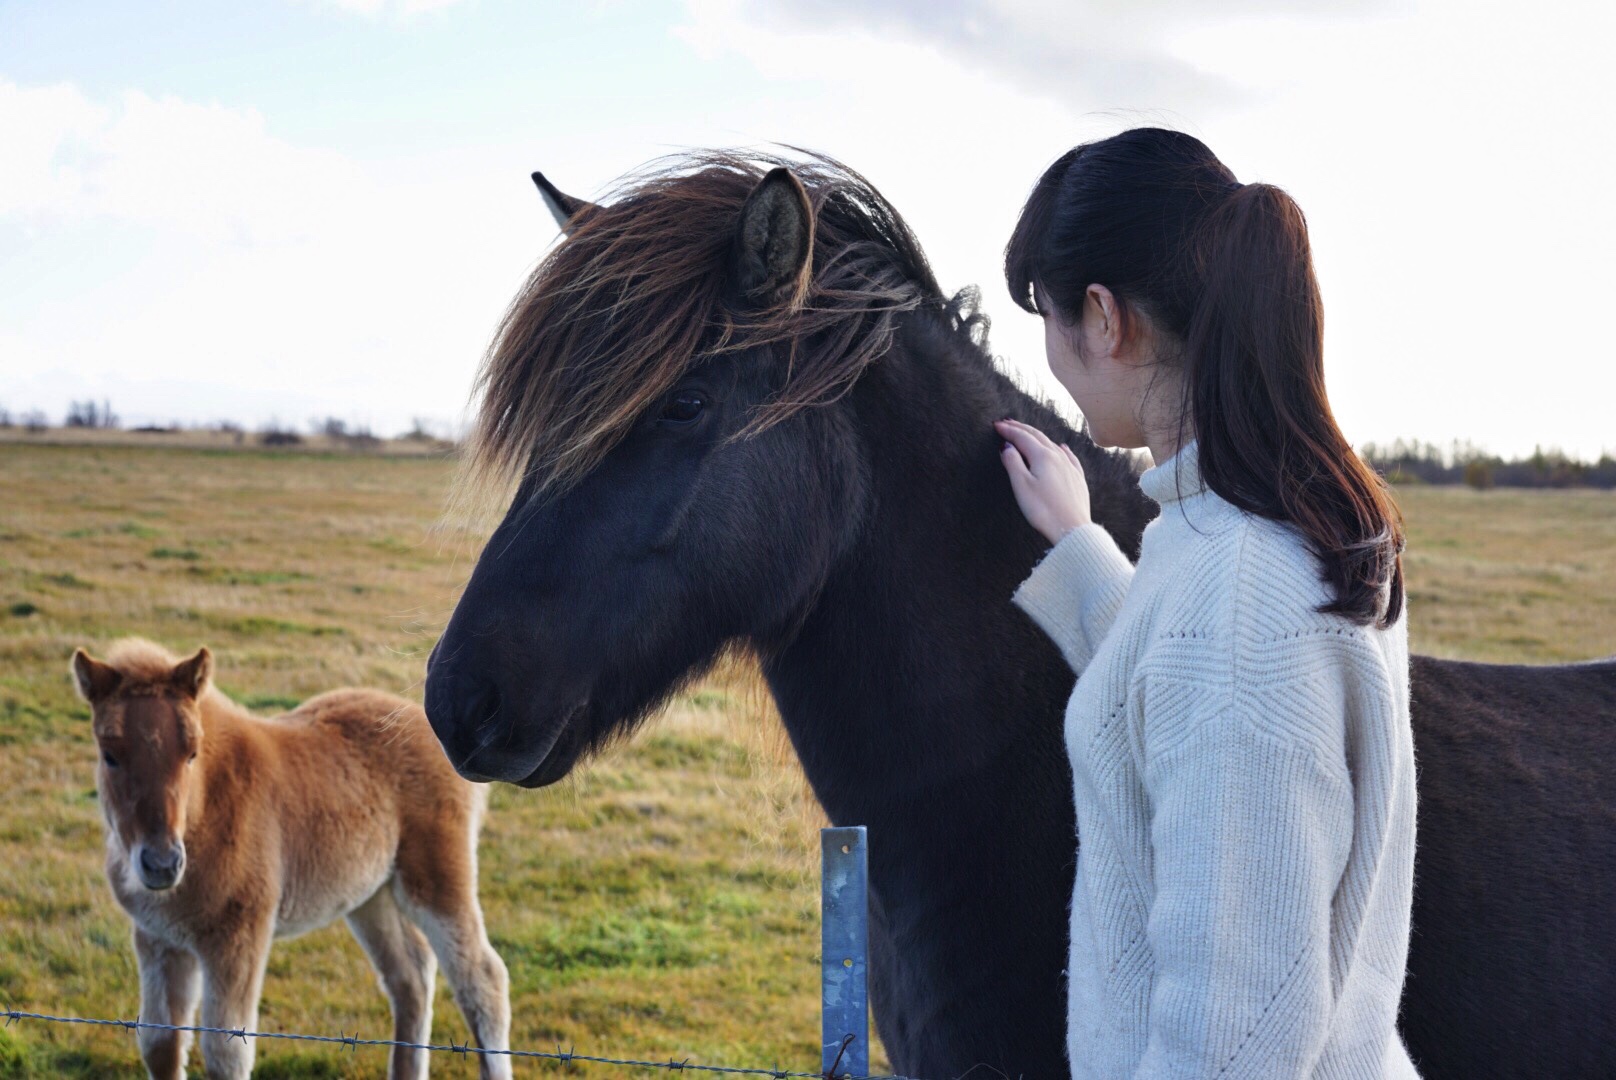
1239, 734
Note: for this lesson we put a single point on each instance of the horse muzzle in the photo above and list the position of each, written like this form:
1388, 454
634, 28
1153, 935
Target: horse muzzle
160, 866
487, 737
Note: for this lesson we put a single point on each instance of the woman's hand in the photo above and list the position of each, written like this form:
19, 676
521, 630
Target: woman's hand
1047, 479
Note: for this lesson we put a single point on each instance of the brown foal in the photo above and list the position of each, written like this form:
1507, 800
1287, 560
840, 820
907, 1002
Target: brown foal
225, 831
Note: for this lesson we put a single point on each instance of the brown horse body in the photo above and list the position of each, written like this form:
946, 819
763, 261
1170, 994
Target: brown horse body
225, 831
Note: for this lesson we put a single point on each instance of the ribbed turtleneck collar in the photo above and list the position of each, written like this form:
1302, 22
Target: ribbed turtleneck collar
1177, 478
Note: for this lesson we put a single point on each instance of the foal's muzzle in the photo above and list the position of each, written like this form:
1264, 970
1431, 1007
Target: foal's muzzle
160, 865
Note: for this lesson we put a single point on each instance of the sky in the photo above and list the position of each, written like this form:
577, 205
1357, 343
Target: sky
288, 209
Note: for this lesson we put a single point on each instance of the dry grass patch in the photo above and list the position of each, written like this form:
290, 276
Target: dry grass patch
1511, 576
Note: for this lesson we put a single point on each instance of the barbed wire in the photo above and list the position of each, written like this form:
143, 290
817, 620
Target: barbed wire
353, 1042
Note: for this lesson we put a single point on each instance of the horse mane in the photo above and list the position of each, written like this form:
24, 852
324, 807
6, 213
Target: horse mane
140, 661
638, 296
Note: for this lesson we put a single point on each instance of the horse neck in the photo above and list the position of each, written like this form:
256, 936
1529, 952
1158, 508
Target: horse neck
914, 675
224, 726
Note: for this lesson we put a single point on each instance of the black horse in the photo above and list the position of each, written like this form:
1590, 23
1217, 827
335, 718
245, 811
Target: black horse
741, 411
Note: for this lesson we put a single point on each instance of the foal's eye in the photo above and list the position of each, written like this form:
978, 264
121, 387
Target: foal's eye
111, 762
191, 758
684, 408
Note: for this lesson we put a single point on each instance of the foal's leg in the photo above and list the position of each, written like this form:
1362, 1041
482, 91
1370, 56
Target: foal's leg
453, 922
232, 981
406, 967
170, 984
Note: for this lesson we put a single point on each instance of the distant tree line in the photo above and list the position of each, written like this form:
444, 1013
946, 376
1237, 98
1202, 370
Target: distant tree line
1405, 461
90, 414
1414, 462
33, 421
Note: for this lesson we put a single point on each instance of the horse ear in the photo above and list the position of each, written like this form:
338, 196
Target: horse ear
93, 679
191, 676
772, 259
566, 209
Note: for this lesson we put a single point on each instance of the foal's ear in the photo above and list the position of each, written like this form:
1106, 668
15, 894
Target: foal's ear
772, 260
190, 677
93, 679
566, 209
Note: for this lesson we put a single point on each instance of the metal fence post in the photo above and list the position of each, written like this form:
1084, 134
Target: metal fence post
844, 950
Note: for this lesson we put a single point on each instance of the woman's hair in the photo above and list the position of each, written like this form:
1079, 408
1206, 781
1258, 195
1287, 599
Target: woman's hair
1224, 269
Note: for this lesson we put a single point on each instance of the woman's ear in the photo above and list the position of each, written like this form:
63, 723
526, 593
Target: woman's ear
1102, 322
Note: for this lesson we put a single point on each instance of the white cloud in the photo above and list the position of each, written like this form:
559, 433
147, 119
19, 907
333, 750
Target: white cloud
208, 170
1105, 54
43, 130
261, 274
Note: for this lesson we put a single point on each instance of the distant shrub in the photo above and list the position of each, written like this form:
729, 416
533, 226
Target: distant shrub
87, 414
356, 437
1478, 474
34, 422
425, 430
428, 435
273, 434
231, 428
5, 417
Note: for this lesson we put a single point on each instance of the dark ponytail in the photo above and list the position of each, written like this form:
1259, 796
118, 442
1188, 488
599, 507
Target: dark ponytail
1227, 271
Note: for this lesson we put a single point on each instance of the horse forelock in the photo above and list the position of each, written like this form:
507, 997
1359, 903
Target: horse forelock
638, 296
142, 663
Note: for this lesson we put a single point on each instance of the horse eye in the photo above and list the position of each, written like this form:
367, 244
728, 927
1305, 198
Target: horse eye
192, 757
684, 408
112, 762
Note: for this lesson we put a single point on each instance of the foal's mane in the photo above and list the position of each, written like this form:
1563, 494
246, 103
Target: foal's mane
638, 296
141, 662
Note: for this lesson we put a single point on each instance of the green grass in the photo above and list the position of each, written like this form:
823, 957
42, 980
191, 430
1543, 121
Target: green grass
188, 554
663, 902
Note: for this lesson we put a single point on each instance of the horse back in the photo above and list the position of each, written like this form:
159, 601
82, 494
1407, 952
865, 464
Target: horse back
373, 748
363, 787
1513, 958
382, 728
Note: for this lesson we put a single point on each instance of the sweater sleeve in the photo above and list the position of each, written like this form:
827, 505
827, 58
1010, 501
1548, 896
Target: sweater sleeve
1251, 831
1075, 592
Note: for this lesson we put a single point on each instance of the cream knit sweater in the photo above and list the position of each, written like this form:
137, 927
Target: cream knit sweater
1244, 777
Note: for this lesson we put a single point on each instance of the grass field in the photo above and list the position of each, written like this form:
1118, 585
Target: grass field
663, 903
1511, 576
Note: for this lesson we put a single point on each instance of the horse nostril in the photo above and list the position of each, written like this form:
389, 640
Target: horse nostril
160, 862
463, 715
